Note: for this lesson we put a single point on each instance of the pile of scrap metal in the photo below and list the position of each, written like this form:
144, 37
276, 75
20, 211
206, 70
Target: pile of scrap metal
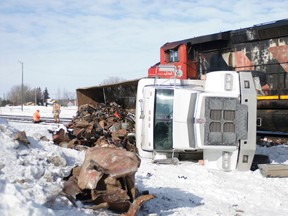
100, 125
106, 179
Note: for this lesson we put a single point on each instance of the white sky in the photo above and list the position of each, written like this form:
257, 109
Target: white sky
65, 45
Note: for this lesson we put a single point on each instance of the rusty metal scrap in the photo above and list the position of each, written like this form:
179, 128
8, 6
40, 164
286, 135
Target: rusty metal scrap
60, 136
99, 125
106, 179
104, 160
22, 138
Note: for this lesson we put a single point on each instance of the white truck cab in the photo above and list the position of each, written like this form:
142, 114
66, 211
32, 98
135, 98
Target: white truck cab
216, 117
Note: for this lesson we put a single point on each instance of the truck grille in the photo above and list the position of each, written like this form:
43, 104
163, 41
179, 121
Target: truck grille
226, 121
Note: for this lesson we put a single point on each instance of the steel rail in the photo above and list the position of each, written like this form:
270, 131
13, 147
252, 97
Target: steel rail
28, 119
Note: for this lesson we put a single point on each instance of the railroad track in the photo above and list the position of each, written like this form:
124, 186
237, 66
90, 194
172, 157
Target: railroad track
264, 138
28, 119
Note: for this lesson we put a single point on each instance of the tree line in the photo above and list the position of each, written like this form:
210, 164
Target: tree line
35, 96
32, 96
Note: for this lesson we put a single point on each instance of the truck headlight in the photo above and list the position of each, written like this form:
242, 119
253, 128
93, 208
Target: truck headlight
228, 82
226, 157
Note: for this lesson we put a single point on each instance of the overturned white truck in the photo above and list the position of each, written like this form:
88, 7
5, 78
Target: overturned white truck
215, 116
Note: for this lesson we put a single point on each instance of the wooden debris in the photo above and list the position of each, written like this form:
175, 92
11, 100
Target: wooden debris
274, 170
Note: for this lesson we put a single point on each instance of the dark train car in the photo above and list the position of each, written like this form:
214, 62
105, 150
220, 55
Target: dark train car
262, 47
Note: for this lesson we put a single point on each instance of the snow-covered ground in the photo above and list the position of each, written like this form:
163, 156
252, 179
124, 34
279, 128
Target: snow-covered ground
31, 178
66, 112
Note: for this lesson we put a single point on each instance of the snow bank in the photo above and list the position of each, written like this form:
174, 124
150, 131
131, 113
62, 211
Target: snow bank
31, 178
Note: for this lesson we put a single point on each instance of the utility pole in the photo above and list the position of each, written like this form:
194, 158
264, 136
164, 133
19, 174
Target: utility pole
22, 101
35, 96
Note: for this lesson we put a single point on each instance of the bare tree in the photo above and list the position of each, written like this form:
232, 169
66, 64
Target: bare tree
58, 94
29, 95
68, 96
15, 94
64, 96
36, 95
112, 80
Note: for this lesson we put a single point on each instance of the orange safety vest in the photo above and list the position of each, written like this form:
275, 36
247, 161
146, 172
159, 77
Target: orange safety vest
36, 116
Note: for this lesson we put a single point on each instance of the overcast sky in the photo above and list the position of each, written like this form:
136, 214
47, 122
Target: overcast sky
70, 44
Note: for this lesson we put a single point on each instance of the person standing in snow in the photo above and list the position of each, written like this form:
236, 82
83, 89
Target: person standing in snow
36, 117
56, 112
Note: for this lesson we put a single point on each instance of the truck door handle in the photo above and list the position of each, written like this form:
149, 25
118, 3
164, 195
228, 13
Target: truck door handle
259, 122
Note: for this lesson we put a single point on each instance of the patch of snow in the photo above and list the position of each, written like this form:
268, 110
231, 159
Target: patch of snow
31, 179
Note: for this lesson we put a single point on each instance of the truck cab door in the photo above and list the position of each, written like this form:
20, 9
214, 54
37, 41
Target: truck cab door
157, 125
163, 119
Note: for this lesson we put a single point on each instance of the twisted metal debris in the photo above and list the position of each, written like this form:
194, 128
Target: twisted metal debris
98, 126
106, 179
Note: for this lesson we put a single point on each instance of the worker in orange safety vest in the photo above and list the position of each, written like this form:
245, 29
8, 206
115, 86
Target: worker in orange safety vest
36, 117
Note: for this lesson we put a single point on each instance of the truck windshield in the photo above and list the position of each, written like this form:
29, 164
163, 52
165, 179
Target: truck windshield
163, 139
